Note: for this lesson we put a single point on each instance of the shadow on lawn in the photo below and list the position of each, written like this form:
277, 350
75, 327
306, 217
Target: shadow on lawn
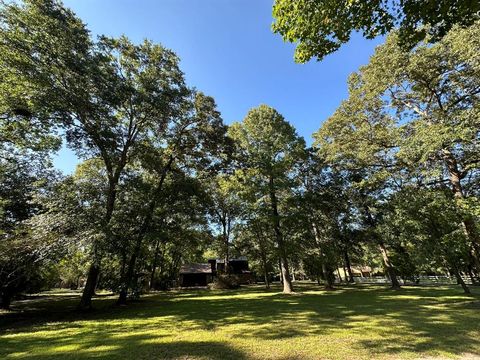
413, 319
133, 347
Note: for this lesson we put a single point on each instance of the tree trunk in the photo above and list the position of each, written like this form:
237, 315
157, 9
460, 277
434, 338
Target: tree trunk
263, 256
348, 266
474, 267
5, 299
460, 281
154, 264
280, 269
472, 276
265, 268
287, 282
325, 272
265, 275
94, 270
390, 270
389, 267
127, 281
469, 227
122, 299
327, 277
339, 275
471, 233
90, 285
226, 236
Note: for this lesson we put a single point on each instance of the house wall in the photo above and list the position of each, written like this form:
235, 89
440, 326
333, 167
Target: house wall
200, 279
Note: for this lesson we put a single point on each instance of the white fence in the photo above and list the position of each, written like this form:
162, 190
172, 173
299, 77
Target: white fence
422, 280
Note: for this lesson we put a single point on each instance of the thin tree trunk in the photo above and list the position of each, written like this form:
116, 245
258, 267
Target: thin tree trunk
263, 256
127, 282
280, 270
471, 233
90, 285
5, 299
472, 277
325, 272
468, 224
474, 266
460, 281
287, 282
94, 270
265, 268
348, 266
327, 277
339, 276
389, 267
226, 236
92, 277
154, 264
391, 273
265, 275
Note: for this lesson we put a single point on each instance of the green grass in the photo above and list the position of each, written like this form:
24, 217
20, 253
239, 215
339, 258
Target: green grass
350, 323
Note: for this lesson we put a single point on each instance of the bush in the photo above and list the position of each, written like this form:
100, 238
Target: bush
226, 282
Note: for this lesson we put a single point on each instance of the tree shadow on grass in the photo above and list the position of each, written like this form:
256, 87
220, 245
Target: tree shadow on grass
136, 347
419, 320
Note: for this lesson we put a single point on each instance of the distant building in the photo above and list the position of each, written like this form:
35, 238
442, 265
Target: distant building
195, 275
202, 274
362, 271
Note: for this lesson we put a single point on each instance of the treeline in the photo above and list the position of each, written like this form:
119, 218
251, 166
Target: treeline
391, 179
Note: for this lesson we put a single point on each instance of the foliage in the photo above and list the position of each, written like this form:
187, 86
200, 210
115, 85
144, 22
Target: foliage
268, 151
320, 27
226, 281
411, 120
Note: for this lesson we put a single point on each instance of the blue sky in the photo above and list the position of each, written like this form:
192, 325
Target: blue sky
228, 51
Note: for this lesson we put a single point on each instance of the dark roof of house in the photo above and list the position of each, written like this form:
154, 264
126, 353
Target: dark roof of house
196, 269
222, 261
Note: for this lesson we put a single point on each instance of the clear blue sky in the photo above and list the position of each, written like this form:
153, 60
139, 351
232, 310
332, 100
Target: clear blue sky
228, 51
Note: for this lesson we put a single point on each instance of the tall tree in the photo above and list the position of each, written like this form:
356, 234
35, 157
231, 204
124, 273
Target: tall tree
427, 222
108, 96
22, 178
321, 205
194, 139
412, 117
269, 148
225, 208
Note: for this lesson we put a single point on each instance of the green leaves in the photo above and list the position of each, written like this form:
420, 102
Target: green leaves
409, 136
405, 108
267, 142
320, 27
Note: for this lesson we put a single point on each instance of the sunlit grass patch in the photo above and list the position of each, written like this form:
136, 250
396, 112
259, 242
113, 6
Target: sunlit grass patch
251, 323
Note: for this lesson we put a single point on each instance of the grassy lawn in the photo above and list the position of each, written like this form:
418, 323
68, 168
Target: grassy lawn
350, 323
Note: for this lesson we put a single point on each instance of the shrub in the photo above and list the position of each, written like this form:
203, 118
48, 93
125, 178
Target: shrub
226, 282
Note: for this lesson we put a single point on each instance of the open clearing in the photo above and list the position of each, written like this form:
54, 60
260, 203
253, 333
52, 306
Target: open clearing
358, 322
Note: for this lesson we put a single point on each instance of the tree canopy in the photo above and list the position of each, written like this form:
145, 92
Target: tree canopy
320, 27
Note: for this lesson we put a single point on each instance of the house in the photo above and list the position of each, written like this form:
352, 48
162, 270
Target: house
203, 274
362, 271
195, 275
